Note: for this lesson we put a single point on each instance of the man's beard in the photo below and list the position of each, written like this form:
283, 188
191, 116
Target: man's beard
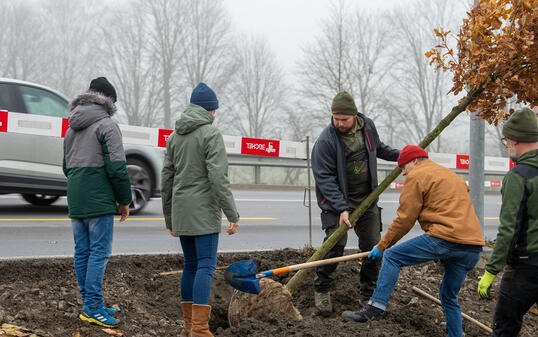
345, 130
512, 154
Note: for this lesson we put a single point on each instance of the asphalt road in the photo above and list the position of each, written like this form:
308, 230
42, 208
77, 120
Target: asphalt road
269, 220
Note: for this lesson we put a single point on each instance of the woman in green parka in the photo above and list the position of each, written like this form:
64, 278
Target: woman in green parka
195, 191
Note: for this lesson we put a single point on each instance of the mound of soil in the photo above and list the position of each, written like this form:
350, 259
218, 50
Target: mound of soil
42, 296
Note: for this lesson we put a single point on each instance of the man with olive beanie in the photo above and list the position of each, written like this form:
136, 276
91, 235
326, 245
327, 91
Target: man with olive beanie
438, 198
345, 169
517, 239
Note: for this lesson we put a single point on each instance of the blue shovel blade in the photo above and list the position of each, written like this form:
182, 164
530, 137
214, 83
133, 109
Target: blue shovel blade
242, 276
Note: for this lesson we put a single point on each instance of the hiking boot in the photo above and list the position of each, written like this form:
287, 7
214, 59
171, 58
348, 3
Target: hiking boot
363, 315
99, 317
323, 302
109, 310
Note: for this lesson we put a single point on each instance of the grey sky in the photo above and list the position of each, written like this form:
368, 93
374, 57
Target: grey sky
288, 24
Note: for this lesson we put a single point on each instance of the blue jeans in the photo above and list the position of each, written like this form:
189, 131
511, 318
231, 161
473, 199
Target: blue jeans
200, 254
458, 259
93, 247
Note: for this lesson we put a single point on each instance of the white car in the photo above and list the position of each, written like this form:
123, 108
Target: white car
32, 164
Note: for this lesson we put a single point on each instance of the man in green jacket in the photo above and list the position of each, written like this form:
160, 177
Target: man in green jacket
517, 239
97, 180
195, 190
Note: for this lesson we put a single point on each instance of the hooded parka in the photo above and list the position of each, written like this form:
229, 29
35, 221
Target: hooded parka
195, 186
94, 159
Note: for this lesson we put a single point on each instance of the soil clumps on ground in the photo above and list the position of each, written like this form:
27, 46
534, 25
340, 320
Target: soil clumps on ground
42, 296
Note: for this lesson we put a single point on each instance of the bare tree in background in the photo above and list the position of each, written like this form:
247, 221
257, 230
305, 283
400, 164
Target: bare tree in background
167, 40
21, 38
350, 54
259, 89
133, 68
209, 56
325, 67
369, 62
72, 54
420, 92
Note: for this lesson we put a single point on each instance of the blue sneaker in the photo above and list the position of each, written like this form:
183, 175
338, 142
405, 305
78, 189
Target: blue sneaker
100, 317
110, 311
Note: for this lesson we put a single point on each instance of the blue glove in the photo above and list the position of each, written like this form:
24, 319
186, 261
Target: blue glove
375, 253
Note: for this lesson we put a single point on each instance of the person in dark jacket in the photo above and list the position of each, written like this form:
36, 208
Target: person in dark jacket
97, 180
517, 239
195, 190
345, 170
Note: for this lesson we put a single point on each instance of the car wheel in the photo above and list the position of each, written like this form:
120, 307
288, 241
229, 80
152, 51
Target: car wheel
141, 183
40, 199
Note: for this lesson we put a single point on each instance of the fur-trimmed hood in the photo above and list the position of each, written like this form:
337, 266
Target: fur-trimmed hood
89, 108
92, 97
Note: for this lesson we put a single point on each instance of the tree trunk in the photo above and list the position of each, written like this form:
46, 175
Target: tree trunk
299, 277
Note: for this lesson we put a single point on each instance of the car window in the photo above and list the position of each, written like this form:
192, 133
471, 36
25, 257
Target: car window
42, 102
8, 98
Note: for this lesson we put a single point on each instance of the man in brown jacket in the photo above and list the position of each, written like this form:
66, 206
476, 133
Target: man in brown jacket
438, 198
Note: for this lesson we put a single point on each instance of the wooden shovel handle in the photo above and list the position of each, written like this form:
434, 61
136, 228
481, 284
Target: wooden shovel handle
318, 263
467, 317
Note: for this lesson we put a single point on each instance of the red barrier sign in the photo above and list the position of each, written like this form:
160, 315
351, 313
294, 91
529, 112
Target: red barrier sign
163, 137
65, 126
495, 183
512, 164
260, 147
399, 185
3, 121
462, 161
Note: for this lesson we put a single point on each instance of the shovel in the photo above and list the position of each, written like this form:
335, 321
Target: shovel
244, 277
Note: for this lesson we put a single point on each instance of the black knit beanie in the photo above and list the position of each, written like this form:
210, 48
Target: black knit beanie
103, 86
343, 103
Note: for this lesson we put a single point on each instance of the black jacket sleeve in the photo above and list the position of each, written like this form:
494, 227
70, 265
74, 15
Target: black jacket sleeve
326, 176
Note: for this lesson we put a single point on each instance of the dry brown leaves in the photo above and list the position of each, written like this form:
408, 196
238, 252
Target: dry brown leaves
497, 51
113, 332
9, 330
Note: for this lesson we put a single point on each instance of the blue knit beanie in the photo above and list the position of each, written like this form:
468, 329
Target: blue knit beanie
205, 97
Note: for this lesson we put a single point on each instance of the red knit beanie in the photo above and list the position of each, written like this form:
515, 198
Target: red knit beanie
409, 153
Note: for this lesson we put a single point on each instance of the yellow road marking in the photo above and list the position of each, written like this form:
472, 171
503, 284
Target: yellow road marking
491, 218
129, 219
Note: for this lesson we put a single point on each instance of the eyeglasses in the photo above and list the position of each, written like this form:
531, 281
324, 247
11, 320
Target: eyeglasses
504, 141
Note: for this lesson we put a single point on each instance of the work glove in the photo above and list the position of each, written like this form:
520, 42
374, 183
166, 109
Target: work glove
484, 285
375, 253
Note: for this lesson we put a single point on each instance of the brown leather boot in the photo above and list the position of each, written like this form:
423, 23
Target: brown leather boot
200, 320
187, 319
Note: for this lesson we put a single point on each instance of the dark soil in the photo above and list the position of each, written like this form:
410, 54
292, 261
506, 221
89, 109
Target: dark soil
42, 295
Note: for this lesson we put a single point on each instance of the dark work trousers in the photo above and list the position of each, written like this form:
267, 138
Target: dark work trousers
519, 291
368, 229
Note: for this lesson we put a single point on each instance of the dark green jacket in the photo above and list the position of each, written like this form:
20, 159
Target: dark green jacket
517, 239
195, 186
94, 160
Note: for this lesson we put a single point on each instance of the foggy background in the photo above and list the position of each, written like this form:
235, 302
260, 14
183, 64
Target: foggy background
155, 51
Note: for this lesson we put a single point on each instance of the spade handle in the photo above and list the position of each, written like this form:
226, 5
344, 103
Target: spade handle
295, 267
